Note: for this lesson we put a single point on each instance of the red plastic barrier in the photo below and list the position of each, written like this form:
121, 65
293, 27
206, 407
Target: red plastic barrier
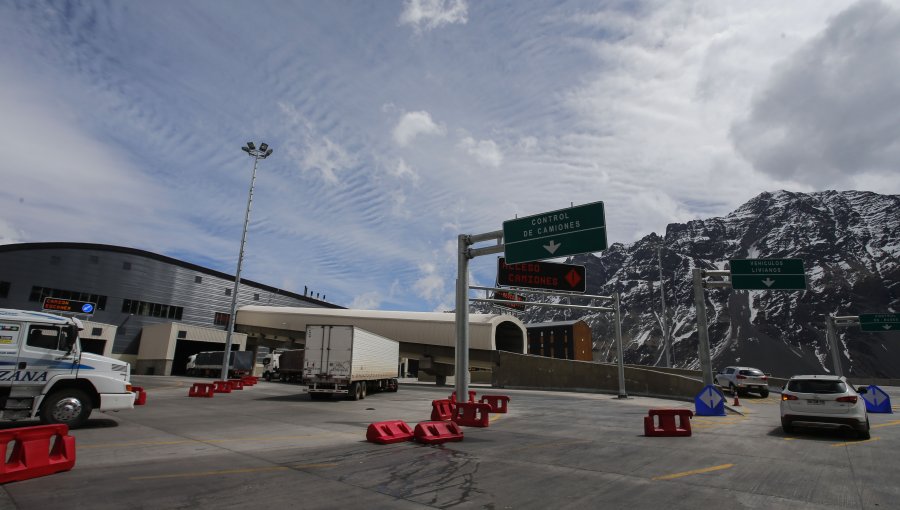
236, 384
141, 398
436, 432
222, 386
471, 396
32, 456
249, 380
471, 414
498, 403
202, 390
441, 410
667, 426
387, 432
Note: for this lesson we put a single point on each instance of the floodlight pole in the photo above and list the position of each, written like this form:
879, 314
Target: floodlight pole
262, 153
667, 338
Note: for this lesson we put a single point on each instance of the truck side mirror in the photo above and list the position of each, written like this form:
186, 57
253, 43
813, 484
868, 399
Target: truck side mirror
71, 337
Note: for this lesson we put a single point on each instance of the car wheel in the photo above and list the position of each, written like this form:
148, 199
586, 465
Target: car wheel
864, 433
764, 393
69, 406
732, 389
787, 427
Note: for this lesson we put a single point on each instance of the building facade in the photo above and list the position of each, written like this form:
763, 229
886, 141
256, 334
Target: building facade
563, 340
131, 288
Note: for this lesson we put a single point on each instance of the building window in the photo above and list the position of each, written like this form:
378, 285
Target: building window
54, 260
4, 289
97, 332
95, 259
198, 279
39, 293
256, 297
227, 292
222, 319
126, 266
136, 307
182, 334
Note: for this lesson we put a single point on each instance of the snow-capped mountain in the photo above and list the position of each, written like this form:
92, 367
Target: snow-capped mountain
849, 243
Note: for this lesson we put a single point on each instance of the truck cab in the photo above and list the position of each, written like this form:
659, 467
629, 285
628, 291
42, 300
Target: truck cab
44, 373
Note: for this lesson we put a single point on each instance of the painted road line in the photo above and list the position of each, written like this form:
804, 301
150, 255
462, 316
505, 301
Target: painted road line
851, 443
886, 424
232, 471
694, 472
207, 441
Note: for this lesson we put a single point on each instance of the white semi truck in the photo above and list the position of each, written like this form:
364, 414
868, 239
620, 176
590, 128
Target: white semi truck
349, 361
45, 374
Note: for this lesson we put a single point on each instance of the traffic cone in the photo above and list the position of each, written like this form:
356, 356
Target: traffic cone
737, 403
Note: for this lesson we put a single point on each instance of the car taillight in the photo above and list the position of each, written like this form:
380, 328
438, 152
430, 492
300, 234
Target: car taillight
765, 378
849, 399
742, 377
785, 396
128, 387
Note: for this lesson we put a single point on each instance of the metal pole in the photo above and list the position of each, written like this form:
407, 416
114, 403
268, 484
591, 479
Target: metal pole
833, 343
702, 328
667, 338
462, 319
622, 393
226, 358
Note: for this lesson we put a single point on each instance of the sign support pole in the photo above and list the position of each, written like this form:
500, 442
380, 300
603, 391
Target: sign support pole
833, 343
621, 351
462, 319
667, 339
702, 328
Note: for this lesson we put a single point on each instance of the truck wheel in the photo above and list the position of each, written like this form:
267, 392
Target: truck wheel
267, 376
440, 380
363, 389
69, 406
393, 386
354, 392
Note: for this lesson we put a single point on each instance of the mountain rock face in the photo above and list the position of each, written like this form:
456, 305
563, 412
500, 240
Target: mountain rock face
849, 243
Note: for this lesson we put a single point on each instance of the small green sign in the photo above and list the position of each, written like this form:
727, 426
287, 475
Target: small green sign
767, 274
580, 229
879, 322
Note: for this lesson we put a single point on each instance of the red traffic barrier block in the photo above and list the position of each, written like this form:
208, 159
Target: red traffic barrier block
471, 396
472, 414
32, 455
387, 432
140, 395
222, 386
249, 380
661, 423
441, 410
202, 390
236, 384
498, 403
436, 432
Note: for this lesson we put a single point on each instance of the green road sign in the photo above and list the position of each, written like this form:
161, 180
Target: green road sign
879, 321
579, 229
767, 274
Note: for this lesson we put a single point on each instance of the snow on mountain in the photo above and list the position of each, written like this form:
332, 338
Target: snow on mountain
849, 242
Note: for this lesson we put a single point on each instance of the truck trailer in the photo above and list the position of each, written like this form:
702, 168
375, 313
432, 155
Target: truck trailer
209, 363
349, 361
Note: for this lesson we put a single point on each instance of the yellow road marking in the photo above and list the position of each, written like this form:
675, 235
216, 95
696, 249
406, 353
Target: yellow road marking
851, 443
494, 417
208, 441
789, 438
694, 472
887, 424
232, 471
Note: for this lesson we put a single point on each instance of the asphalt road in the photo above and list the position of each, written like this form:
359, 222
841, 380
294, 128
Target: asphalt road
269, 446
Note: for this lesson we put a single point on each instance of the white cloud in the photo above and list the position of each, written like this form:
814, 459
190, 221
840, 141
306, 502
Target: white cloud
9, 234
312, 151
486, 152
430, 285
367, 301
402, 170
429, 14
414, 124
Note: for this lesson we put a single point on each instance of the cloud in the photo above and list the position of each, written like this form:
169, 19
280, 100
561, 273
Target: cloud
414, 124
9, 234
402, 170
429, 14
829, 111
367, 301
430, 285
485, 152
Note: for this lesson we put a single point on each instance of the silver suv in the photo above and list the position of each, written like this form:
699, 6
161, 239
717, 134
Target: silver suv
741, 380
823, 400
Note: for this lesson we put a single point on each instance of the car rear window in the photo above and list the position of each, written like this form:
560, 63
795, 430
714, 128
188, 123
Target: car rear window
816, 386
752, 372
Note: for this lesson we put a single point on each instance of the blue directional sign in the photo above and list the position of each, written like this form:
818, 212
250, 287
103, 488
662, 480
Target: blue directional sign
710, 402
877, 401
87, 308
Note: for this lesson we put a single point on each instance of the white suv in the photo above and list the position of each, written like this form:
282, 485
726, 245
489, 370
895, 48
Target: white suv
741, 380
823, 400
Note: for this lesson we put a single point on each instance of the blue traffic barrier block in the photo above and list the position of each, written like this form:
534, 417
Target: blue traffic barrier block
877, 401
710, 402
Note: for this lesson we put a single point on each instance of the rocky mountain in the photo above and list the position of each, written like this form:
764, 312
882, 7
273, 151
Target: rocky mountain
849, 242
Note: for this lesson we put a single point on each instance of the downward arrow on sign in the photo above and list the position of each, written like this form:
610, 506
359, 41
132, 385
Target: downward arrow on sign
768, 282
552, 247
886, 327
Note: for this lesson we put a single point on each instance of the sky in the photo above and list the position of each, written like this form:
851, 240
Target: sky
396, 126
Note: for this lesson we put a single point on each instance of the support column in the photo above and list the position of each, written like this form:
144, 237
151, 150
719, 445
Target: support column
462, 319
622, 393
702, 328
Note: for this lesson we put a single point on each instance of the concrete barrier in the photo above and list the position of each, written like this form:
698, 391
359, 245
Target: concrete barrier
524, 371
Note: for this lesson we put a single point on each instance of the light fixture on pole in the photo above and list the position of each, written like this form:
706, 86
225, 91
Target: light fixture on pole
257, 154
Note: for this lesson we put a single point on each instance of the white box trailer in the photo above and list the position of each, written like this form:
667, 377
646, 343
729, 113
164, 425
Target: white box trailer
346, 360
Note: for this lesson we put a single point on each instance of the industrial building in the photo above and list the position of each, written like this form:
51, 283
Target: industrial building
561, 340
136, 291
